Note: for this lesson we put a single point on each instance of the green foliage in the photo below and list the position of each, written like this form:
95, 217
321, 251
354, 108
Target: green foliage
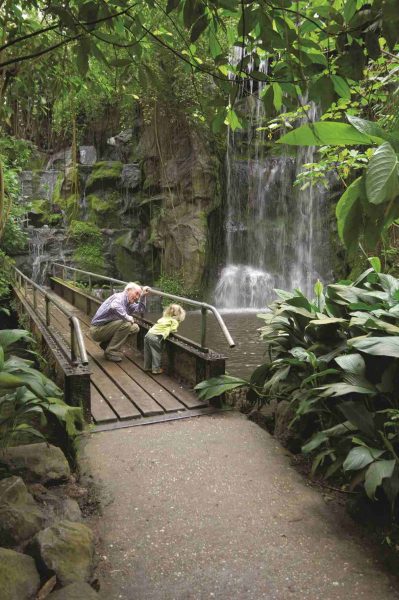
175, 285
370, 204
89, 253
81, 231
28, 399
336, 360
4, 276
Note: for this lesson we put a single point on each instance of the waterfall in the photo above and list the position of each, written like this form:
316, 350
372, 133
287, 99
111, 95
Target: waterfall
38, 240
276, 234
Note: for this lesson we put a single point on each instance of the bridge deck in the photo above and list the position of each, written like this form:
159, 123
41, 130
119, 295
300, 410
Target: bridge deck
123, 394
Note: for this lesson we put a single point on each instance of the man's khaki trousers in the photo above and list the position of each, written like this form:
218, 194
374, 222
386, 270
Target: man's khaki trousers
113, 332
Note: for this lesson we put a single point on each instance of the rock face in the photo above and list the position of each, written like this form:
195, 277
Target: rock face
154, 201
66, 549
180, 180
75, 591
20, 515
19, 579
40, 463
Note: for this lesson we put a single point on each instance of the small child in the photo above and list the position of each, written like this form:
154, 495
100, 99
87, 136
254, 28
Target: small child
172, 316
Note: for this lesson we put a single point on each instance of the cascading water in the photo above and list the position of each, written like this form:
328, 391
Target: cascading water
276, 234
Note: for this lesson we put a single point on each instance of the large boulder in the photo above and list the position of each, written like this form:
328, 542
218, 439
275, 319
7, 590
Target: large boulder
19, 578
75, 591
41, 463
20, 516
66, 549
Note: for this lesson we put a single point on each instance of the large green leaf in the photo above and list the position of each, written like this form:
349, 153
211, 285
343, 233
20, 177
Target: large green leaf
11, 336
342, 389
359, 416
376, 472
354, 363
361, 456
368, 128
347, 213
382, 175
326, 133
377, 346
216, 386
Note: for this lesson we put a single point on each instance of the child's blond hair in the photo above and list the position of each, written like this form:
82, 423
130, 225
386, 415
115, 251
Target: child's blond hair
176, 311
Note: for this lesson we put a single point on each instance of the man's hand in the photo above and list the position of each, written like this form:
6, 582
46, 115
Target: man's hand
130, 319
146, 290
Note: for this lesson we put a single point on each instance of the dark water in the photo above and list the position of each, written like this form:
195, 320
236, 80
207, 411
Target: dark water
247, 354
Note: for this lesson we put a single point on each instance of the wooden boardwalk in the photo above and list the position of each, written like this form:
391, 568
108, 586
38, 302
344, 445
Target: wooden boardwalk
123, 394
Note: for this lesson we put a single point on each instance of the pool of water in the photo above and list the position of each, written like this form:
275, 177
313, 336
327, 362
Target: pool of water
249, 350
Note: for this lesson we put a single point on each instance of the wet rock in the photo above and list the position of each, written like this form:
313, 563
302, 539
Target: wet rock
56, 505
20, 515
37, 463
131, 176
75, 591
104, 173
19, 578
66, 549
87, 155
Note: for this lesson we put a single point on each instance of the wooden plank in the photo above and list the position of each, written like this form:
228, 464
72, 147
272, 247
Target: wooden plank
100, 410
146, 405
166, 400
120, 403
184, 395
159, 393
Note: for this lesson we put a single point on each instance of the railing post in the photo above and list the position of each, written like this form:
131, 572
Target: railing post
203, 326
74, 277
63, 273
47, 301
34, 298
90, 286
73, 342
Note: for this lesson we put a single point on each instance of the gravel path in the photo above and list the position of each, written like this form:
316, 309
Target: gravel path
211, 508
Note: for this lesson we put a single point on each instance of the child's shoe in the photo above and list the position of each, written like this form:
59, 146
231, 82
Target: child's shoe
157, 371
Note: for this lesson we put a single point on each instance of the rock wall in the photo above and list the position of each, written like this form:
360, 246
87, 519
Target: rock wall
153, 195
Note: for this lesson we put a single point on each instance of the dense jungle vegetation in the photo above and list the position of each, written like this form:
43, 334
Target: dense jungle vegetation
68, 67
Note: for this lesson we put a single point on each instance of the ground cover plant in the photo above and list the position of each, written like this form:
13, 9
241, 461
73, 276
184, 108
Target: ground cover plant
336, 360
29, 401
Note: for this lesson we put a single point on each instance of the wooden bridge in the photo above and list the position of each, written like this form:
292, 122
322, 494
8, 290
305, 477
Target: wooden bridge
113, 395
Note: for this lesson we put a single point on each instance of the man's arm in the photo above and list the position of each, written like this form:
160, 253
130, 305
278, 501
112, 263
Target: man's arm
141, 306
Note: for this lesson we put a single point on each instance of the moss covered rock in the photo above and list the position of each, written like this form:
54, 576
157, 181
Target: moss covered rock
103, 209
41, 463
20, 515
18, 576
104, 174
66, 549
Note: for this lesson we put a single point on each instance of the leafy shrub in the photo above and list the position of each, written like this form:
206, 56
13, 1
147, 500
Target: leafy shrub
336, 360
28, 399
4, 276
89, 254
81, 231
175, 285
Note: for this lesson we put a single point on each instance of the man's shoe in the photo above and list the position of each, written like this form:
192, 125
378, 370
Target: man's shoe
103, 345
157, 371
113, 357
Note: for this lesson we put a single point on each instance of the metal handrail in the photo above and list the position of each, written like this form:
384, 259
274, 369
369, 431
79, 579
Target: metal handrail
204, 306
77, 341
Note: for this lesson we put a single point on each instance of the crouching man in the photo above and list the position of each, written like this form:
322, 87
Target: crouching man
113, 322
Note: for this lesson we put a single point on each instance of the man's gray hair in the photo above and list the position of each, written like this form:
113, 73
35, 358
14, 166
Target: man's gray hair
133, 286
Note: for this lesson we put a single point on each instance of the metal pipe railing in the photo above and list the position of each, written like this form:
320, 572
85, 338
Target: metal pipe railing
203, 306
78, 349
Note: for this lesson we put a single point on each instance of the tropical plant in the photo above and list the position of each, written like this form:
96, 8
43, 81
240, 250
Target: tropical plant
336, 360
370, 204
28, 399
